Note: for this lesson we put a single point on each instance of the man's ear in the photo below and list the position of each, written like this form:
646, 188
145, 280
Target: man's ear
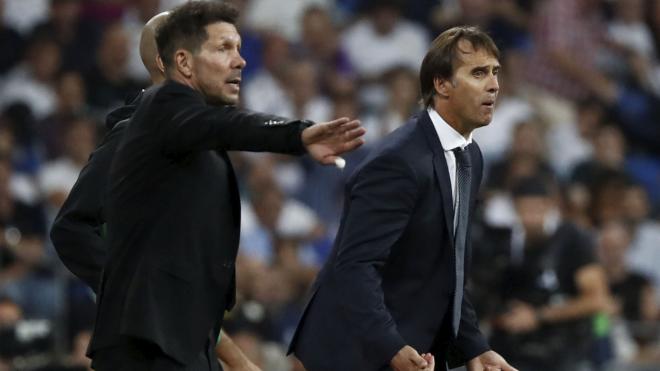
443, 87
160, 64
183, 62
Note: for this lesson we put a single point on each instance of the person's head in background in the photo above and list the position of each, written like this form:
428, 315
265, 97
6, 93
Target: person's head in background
71, 93
65, 14
590, 116
403, 89
636, 204
200, 47
535, 203
525, 157
79, 139
320, 35
302, 84
458, 78
276, 54
614, 238
43, 58
607, 197
384, 14
112, 53
527, 139
10, 313
609, 147
149, 49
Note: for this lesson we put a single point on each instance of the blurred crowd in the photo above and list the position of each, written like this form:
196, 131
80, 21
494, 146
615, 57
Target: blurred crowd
566, 261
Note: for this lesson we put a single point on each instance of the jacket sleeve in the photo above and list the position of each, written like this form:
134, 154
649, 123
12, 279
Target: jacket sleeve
470, 342
381, 201
189, 124
76, 232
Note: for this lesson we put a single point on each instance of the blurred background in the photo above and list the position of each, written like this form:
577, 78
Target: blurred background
572, 184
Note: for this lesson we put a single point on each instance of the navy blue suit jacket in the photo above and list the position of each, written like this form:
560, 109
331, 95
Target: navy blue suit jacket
390, 277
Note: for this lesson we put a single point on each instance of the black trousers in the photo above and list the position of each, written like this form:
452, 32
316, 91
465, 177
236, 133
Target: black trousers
133, 354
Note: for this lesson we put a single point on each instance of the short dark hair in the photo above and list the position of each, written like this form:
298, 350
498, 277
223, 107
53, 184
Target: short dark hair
441, 58
185, 26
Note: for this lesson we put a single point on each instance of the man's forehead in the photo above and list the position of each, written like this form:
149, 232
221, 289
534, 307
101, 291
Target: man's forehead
222, 30
469, 56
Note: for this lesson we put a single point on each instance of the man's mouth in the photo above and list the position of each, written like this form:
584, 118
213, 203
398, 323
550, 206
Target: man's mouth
235, 81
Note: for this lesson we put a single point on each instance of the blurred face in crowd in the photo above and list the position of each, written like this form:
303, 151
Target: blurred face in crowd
532, 212
275, 53
613, 241
385, 18
44, 59
469, 96
71, 92
65, 12
589, 118
319, 33
10, 314
610, 147
636, 204
527, 140
608, 198
303, 82
267, 204
403, 89
215, 69
80, 140
113, 51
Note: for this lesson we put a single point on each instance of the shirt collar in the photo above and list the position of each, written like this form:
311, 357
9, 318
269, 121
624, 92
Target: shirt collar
449, 137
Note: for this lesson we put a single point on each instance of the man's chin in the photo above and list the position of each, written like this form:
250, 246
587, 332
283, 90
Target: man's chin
226, 100
484, 123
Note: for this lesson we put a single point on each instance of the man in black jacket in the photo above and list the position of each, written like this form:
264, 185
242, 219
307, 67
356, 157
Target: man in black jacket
173, 210
77, 231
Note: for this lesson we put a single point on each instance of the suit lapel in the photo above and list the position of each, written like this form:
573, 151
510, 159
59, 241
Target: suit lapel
440, 170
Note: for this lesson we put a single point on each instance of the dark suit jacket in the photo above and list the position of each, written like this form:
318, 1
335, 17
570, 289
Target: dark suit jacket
174, 217
390, 277
77, 230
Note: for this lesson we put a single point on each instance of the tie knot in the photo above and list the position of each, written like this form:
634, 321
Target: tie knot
463, 157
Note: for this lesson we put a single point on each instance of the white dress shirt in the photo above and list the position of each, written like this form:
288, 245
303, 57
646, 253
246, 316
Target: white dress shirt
450, 140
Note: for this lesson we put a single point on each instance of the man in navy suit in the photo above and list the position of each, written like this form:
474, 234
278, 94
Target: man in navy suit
391, 296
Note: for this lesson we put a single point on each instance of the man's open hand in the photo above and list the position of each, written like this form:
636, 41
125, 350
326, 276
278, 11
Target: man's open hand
326, 141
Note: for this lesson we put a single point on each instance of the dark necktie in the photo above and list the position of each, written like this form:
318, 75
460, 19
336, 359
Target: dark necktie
463, 179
